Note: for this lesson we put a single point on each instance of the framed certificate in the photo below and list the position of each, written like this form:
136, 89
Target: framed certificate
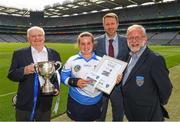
106, 73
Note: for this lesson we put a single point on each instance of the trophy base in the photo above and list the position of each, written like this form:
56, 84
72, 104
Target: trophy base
48, 89
48, 93
45, 91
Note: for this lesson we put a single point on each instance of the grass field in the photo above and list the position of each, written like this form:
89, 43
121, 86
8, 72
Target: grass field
9, 88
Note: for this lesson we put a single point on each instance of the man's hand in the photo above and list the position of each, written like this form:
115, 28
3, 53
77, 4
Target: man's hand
119, 78
29, 69
56, 92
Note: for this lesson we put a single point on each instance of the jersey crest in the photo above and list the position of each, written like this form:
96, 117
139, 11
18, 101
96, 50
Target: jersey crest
77, 68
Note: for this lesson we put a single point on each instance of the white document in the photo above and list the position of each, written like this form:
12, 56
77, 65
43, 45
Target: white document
106, 73
90, 88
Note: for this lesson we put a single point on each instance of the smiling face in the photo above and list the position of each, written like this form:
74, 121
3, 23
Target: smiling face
86, 45
36, 38
136, 38
110, 25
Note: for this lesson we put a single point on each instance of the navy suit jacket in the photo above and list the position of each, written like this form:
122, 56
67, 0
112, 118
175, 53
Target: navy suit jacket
147, 88
25, 94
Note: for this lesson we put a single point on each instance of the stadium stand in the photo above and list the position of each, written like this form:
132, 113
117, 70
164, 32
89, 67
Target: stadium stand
10, 20
156, 18
162, 21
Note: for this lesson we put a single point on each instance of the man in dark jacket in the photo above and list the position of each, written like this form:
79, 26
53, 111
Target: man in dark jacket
30, 104
146, 84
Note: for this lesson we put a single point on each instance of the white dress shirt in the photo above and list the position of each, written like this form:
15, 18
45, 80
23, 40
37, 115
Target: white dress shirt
39, 57
114, 43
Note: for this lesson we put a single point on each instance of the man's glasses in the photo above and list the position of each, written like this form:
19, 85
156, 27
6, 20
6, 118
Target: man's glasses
137, 38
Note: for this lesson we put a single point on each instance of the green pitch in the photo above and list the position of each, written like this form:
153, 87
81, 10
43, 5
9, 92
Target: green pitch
9, 88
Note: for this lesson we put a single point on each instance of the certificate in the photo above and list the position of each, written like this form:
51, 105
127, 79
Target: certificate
106, 73
90, 88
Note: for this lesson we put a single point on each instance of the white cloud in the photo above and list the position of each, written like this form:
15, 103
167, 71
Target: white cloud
29, 4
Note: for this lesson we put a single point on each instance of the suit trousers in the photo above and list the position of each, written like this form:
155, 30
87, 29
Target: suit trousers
116, 103
22, 115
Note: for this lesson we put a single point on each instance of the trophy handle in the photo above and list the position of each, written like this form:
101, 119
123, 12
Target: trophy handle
58, 63
36, 67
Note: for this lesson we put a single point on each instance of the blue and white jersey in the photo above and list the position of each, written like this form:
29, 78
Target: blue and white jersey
77, 67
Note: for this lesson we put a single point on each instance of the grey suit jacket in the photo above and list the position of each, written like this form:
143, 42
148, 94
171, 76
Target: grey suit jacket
123, 53
123, 50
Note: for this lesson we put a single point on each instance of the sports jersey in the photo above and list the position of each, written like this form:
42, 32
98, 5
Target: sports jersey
78, 67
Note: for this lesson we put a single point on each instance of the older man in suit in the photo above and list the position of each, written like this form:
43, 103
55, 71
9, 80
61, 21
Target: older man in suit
30, 103
114, 45
146, 84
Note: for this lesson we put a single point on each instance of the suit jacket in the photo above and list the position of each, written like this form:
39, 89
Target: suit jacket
25, 93
123, 50
147, 88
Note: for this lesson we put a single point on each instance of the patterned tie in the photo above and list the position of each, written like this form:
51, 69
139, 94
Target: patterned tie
111, 48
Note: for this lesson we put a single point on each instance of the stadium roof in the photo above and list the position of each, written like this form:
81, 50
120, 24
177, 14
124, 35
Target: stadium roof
68, 8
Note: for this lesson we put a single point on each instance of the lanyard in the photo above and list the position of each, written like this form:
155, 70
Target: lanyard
35, 96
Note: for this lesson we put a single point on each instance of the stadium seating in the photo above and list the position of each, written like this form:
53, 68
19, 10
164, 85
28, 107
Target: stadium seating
161, 20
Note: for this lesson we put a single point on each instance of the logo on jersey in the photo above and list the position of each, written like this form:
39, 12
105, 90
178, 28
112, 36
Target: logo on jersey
77, 68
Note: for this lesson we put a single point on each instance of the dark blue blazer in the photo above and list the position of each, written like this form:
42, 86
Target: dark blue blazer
123, 50
147, 88
25, 93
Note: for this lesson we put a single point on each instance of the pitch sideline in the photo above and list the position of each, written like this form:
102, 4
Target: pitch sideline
10, 93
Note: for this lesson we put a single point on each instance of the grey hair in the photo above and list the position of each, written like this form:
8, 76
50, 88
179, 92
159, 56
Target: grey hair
35, 28
140, 27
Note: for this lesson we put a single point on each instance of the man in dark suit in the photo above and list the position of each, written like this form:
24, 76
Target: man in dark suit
114, 45
22, 70
146, 84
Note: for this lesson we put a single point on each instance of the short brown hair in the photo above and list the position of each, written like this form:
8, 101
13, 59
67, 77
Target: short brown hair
85, 34
113, 15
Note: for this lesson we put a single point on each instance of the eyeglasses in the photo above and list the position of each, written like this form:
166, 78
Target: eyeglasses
137, 38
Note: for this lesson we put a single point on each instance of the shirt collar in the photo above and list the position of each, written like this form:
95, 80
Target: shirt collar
93, 56
138, 54
34, 50
115, 38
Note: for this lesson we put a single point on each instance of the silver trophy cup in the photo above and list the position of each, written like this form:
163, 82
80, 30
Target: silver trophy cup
46, 69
